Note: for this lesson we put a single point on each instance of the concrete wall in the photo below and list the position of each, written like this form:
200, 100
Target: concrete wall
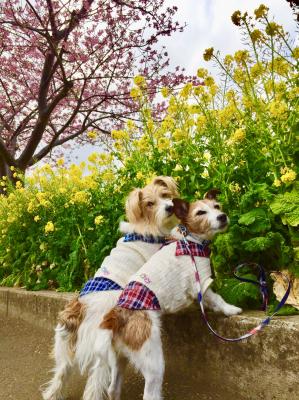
199, 366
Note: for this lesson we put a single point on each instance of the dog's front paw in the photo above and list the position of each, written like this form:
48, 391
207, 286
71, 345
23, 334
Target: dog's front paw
229, 310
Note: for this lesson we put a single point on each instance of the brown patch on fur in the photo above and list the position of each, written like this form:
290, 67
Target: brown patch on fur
167, 182
71, 318
132, 327
133, 206
196, 224
212, 194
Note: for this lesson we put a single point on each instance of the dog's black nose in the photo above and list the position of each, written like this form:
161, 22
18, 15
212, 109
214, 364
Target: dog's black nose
222, 218
169, 209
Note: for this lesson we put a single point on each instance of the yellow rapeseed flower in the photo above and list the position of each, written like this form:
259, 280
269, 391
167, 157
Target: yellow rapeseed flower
256, 36
92, 135
234, 187
165, 92
80, 197
98, 219
163, 144
277, 182
201, 121
208, 54
273, 29
237, 136
60, 162
139, 175
296, 53
207, 155
202, 73
140, 81
205, 174
120, 135
49, 227
237, 18
228, 60
186, 91
135, 93
209, 81
261, 12
241, 56
178, 167
36, 218
93, 157
288, 176
278, 109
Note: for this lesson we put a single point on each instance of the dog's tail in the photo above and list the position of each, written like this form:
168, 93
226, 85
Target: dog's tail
98, 380
70, 319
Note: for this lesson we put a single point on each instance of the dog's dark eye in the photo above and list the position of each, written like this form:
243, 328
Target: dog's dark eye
201, 212
165, 196
217, 206
149, 204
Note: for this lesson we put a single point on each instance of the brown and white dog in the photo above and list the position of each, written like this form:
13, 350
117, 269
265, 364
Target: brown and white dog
166, 283
150, 215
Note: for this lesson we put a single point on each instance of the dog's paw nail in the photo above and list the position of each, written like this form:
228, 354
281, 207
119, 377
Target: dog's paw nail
232, 310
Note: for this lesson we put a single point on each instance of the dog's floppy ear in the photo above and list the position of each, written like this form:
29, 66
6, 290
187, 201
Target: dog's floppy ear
167, 182
212, 194
133, 206
180, 208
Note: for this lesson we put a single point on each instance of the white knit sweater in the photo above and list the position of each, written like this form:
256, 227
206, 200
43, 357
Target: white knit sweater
125, 260
172, 278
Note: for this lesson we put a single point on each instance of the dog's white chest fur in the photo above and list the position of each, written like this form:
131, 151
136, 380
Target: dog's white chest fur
172, 278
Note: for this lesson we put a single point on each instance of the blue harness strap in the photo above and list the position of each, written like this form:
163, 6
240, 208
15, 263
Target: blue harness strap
133, 237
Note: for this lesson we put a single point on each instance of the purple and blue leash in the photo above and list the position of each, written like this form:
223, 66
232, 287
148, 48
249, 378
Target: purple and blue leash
261, 283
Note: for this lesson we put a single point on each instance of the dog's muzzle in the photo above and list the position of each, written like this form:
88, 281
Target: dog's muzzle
222, 218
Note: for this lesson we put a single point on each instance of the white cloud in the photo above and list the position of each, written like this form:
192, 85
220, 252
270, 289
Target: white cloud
209, 25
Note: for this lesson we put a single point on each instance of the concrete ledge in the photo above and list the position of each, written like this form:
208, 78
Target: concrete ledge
199, 366
38, 308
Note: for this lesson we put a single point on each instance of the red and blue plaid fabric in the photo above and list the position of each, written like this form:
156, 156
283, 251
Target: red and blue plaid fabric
133, 237
197, 250
137, 296
99, 284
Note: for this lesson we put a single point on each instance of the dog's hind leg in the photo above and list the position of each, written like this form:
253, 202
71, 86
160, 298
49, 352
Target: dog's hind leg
97, 382
63, 363
149, 360
118, 366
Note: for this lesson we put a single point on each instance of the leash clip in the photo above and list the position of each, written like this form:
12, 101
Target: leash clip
183, 230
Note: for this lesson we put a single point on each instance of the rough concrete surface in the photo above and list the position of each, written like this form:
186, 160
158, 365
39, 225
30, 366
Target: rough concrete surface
198, 366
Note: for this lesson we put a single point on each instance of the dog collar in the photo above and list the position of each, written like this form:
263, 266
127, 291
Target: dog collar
134, 237
186, 233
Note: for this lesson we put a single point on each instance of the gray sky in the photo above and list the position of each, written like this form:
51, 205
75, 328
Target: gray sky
209, 25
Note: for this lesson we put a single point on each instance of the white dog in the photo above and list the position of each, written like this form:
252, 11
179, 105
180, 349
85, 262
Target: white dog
151, 218
166, 283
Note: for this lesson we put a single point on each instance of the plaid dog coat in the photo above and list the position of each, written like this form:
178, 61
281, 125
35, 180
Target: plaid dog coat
139, 295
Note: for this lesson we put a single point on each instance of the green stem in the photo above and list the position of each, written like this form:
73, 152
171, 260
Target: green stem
82, 239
